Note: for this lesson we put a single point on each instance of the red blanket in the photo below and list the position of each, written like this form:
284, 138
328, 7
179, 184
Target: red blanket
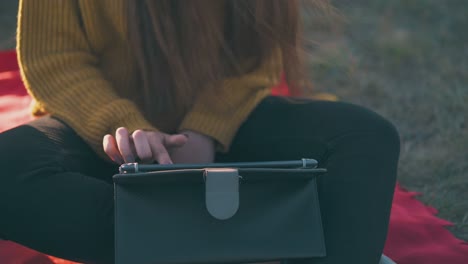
416, 236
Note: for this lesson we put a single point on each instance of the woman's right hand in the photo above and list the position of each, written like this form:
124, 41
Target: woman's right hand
148, 146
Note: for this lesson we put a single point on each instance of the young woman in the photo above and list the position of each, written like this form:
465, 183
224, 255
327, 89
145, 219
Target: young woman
174, 81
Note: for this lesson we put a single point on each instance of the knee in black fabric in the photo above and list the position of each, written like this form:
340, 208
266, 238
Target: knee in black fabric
385, 131
357, 119
24, 148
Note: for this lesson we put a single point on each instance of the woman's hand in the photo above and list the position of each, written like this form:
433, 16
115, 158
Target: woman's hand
198, 149
148, 146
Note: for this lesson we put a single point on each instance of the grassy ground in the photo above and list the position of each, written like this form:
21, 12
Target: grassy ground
7, 23
407, 60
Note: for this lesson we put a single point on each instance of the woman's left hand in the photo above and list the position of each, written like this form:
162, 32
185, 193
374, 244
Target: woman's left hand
198, 149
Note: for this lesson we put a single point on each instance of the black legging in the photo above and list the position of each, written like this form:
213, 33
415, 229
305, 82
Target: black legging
56, 195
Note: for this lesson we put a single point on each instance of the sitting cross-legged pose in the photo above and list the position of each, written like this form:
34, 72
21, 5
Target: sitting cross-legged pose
174, 81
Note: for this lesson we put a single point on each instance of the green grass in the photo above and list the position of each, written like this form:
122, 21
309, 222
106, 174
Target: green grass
7, 23
405, 59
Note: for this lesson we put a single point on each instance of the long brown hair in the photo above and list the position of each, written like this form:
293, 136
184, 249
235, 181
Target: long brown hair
183, 46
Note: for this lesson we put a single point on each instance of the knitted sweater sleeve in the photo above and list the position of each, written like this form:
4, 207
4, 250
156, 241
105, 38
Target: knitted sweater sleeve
221, 113
62, 73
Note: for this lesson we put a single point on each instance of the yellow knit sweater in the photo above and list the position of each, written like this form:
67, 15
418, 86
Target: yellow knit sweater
77, 65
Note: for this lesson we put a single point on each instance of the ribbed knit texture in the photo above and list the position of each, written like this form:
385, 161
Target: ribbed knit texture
77, 64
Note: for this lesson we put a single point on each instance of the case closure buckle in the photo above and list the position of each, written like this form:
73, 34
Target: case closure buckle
222, 192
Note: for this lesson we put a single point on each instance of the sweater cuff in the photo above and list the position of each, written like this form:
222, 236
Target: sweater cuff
132, 122
210, 125
120, 113
221, 125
